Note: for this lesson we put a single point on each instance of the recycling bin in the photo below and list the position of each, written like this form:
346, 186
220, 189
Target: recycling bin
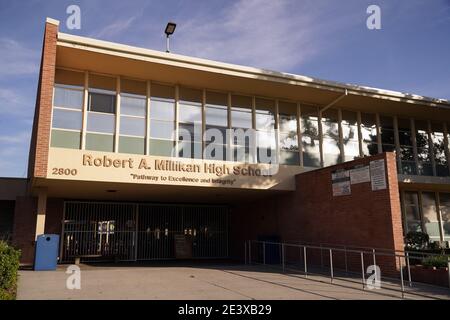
46, 256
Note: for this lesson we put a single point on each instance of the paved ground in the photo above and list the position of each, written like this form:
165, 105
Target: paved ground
196, 282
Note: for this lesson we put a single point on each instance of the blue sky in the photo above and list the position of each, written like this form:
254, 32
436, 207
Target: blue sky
325, 39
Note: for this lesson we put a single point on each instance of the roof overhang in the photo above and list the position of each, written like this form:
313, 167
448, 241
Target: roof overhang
117, 59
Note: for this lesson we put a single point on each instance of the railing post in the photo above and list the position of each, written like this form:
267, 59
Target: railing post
401, 276
249, 251
362, 270
282, 255
448, 270
245, 252
304, 262
409, 269
374, 262
321, 256
331, 265
345, 258
264, 252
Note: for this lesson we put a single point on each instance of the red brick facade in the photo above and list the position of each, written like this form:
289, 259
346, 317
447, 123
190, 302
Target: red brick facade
25, 224
312, 214
25, 227
40, 138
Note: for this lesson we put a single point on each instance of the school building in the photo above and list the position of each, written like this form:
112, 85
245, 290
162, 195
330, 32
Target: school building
136, 152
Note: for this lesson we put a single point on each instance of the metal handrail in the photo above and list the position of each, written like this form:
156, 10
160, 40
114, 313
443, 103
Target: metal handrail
401, 259
334, 245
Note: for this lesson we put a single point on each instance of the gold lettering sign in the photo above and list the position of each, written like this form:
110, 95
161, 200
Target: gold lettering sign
70, 164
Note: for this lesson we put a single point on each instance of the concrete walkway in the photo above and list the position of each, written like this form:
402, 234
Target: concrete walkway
192, 282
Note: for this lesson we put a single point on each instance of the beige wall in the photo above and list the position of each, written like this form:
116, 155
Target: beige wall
84, 165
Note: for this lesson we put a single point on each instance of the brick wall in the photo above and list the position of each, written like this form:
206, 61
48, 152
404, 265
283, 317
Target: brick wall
25, 227
365, 218
37, 166
54, 216
25, 224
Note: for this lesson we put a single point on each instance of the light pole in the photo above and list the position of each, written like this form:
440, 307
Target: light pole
170, 29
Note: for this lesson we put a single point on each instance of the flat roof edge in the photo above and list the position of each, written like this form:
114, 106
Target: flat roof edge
324, 84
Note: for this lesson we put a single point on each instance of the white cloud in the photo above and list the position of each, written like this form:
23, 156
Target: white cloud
16, 102
114, 29
20, 137
17, 59
271, 34
14, 154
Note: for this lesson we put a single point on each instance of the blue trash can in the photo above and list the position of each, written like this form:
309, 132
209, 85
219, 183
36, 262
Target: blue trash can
46, 256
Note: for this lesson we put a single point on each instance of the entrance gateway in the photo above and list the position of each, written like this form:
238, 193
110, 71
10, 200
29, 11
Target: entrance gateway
122, 231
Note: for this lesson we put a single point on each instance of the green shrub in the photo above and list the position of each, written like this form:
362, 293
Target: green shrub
9, 264
435, 261
417, 240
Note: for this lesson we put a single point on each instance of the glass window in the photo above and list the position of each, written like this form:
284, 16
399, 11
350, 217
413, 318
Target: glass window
216, 115
162, 148
216, 119
67, 109
330, 133
162, 120
132, 120
131, 145
265, 130
241, 117
100, 102
100, 142
387, 133
65, 139
189, 112
162, 130
310, 136
100, 122
423, 148
369, 134
412, 212
101, 115
241, 112
243, 140
162, 109
439, 149
190, 123
133, 105
289, 151
68, 98
132, 126
66, 119
444, 209
430, 215
406, 157
189, 149
350, 135
190, 132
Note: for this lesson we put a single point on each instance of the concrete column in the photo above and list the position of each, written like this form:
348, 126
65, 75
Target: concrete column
41, 211
147, 119
277, 130
117, 125
341, 136
85, 110
360, 143
299, 133
379, 140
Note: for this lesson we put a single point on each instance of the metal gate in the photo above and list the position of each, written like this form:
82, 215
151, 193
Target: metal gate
104, 231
